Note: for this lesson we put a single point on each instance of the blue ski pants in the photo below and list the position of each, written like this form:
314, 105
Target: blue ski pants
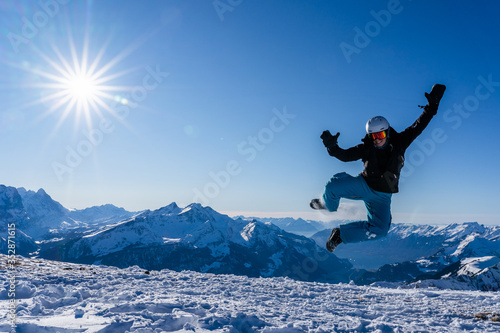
378, 205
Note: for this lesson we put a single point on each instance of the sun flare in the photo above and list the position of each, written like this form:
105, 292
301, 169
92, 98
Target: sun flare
78, 86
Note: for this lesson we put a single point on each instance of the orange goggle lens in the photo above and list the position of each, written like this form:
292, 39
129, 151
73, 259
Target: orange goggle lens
378, 135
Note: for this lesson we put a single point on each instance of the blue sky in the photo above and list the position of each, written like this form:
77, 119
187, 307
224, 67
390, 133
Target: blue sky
222, 102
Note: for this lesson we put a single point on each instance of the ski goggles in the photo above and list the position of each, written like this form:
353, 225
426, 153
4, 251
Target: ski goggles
379, 135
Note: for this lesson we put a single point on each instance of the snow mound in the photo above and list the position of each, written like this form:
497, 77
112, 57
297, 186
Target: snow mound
63, 297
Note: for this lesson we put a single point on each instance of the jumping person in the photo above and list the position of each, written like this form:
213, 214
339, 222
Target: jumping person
382, 153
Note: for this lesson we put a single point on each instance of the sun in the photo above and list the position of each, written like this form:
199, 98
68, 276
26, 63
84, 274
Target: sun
81, 93
83, 88
79, 86
84, 81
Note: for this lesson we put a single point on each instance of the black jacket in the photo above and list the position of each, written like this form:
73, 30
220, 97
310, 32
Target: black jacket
383, 165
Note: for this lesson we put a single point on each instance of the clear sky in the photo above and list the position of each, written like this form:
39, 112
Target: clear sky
140, 104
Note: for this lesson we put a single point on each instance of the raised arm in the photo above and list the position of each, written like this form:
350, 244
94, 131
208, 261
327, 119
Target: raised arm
430, 110
345, 155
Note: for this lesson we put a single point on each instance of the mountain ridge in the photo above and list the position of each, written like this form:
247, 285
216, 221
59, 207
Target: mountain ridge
459, 255
213, 242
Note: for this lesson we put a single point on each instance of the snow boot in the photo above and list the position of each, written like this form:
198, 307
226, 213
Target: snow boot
317, 204
334, 240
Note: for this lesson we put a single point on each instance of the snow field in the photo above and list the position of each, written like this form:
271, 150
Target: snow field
62, 297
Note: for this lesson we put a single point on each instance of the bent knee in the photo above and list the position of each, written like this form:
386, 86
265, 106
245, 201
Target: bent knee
337, 178
377, 232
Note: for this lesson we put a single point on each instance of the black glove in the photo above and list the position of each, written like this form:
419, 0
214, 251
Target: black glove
329, 140
434, 97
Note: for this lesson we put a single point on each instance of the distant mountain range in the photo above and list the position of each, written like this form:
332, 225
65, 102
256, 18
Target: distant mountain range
191, 238
48, 217
297, 226
459, 256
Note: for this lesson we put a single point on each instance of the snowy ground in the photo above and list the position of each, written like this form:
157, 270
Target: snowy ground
63, 297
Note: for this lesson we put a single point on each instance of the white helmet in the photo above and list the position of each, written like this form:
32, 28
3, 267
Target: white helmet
377, 124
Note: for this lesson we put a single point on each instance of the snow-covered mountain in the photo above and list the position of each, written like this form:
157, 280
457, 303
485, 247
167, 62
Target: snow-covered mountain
481, 273
13, 214
100, 215
44, 213
36, 214
295, 226
298, 226
407, 242
464, 256
11, 206
201, 239
461, 256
